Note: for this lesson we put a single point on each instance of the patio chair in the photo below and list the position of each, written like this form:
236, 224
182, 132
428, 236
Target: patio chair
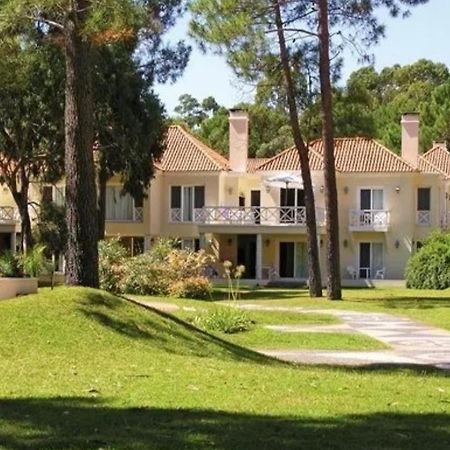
380, 273
352, 272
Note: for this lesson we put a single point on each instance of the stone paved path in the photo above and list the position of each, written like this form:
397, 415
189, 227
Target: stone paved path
411, 342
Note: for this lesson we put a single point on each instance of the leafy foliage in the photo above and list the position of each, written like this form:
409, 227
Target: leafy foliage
225, 319
10, 265
429, 268
51, 229
194, 287
34, 261
162, 271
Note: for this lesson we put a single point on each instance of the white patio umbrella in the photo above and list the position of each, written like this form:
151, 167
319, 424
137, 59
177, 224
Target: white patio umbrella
285, 180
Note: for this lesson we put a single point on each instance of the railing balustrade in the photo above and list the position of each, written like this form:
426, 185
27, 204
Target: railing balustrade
8, 214
253, 215
423, 218
371, 220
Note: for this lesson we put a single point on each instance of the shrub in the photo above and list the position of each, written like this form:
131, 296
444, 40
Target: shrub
227, 320
429, 268
34, 261
10, 265
142, 275
112, 257
162, 271
195, 287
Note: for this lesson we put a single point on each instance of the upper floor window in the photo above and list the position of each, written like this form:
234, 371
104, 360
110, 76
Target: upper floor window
371, 199
423, 199
184, 200
118, 207
55, 194
292, 197
424, 206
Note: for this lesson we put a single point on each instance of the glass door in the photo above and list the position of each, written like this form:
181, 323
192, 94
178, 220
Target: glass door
370, 259
301, 260
287, 259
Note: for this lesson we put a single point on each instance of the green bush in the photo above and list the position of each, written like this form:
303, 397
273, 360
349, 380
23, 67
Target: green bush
142, 275
164, 270
10, 266
112, 256
429, 268
226, 319
198, 288
34, 261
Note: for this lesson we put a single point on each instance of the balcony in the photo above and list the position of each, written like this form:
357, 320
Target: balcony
369, 220
423, 218
282, 216
8, 215
137, 215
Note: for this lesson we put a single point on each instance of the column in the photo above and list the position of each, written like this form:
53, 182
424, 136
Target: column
258, 256
13, 242
202, 240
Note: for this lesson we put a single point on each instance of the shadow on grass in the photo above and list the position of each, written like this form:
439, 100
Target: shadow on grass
79, 423
163, 331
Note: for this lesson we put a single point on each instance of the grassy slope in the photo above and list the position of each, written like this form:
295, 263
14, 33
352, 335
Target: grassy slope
83, 369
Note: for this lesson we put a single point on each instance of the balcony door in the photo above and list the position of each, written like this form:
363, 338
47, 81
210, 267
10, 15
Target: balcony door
184, 200
246, 254
293, 260
370, 259
290, 198
371, 199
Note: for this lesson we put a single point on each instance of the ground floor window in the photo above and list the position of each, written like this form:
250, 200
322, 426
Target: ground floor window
133, 244
370, 259
190, 244
293, 260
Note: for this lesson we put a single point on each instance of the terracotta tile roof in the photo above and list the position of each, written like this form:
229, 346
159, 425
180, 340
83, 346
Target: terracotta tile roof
439, 158
352, 155
185, 153
254, 163
289, 160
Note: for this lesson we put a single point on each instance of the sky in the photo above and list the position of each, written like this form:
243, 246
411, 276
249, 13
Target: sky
425, 34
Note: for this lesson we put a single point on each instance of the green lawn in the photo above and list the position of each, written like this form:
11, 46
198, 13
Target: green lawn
81, 369
261, 337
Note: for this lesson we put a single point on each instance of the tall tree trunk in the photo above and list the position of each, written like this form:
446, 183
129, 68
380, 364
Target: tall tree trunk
102, 180
331, 198
26, 241
81, 204
21, 200
315, 282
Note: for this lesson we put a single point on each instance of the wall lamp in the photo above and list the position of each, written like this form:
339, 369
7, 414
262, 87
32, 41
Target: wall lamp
230, 242
345, 243
397, 189
322, 188
267, 242
267, 188
397, 244
345, 189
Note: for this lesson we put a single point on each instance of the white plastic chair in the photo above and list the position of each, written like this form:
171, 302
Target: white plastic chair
352, 272
380, 273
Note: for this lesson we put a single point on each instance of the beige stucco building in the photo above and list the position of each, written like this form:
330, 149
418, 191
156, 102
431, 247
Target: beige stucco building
245, 211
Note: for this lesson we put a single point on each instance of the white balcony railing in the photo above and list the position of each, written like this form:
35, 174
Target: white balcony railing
136, 216
369, 220
8, 214
423, 218
235, 215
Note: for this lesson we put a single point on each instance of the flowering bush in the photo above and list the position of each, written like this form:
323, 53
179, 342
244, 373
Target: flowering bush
164, 270
112, 256
195, 287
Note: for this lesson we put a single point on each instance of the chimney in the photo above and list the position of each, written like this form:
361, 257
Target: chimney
410, 138
238, 140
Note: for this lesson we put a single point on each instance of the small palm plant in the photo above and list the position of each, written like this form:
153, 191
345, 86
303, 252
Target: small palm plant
34, 262
234, 279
